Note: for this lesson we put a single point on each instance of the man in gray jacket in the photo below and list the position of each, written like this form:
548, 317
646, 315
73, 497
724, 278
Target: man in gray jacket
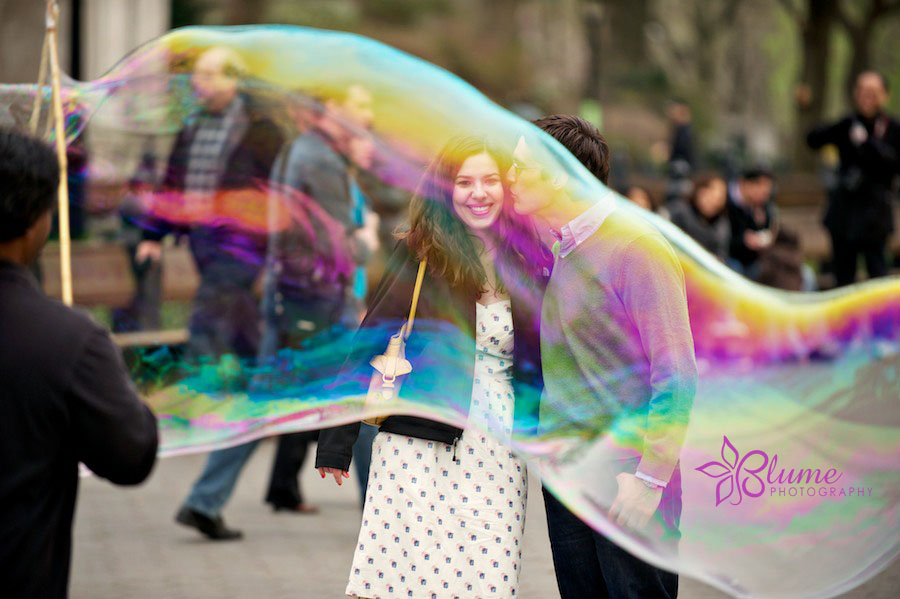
307, 292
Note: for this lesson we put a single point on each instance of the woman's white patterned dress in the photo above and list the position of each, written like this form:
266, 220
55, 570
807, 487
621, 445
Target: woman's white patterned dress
438, 529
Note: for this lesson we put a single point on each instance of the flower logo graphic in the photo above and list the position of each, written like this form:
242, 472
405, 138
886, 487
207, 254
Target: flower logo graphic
730, 471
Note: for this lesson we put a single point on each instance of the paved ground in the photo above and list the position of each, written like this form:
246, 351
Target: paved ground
127, 546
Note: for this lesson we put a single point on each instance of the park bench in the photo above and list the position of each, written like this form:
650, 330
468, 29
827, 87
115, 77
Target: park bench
102, 276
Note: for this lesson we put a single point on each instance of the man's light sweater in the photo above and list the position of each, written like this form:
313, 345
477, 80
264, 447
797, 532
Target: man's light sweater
616, 344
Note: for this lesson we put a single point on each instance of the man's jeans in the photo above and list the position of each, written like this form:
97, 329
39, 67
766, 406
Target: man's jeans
590, 566
213, 488
216, 483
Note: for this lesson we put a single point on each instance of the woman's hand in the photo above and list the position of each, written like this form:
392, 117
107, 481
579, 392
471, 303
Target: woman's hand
337, 473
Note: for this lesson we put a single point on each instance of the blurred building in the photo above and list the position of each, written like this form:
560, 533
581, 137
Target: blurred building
93, 34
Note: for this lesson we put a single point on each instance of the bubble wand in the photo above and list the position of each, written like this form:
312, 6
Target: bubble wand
65, 243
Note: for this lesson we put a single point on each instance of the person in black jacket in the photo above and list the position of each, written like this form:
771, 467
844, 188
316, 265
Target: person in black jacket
860, 216
704, 216
475, 354
753, 218
64, 394
682, 148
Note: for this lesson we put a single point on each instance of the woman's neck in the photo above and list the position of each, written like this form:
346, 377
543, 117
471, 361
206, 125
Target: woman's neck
485, 245
486, 249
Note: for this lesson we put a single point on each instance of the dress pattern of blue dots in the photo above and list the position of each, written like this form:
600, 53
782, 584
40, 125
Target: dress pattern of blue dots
437, 529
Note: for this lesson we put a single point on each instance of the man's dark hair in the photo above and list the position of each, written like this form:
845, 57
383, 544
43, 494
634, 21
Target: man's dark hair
755, 173
582, 139
29, 176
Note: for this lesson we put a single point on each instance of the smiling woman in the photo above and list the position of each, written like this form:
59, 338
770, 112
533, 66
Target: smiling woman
462, 205
462, 487
478, 192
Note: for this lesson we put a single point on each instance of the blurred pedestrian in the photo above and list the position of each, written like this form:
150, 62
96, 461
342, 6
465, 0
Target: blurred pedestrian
640, 196
682, 148
144, 312
220, 162
226, 145
645, 198
316, 295
310, 245
681, 154
781, 266
66, 397
362, 154
753, 217
860, 215
704, 216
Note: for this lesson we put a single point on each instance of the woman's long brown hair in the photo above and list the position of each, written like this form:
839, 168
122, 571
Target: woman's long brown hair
435, 231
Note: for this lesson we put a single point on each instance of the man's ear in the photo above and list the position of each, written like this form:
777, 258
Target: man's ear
560, 180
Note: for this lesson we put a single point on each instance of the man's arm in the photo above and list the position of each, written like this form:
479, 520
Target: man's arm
266, 143
826, 134
881, 157
652, 289
651, 285
114, 431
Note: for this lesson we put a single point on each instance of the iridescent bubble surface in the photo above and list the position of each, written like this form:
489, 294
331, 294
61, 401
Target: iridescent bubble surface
789, 473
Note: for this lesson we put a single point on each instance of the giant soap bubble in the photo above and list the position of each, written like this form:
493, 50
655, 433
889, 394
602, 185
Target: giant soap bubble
789, 465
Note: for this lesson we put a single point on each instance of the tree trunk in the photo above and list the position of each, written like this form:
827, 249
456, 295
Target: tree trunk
593, 29
816, 39
860, 36
627, 20
860, 59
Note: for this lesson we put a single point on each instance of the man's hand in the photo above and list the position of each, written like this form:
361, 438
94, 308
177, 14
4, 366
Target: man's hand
858, 134
228, 369
148, 250
758, 240
803, 94
336, 472
635, 503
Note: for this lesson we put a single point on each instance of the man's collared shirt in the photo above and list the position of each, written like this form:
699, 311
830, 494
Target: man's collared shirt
583, 226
